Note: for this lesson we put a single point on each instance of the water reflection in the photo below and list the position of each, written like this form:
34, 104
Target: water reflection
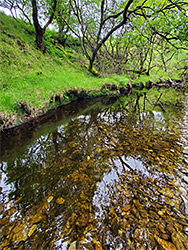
104, 180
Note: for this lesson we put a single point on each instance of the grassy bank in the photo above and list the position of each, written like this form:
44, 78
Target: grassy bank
30, 77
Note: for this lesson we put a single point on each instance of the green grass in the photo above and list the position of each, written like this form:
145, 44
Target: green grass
27, 75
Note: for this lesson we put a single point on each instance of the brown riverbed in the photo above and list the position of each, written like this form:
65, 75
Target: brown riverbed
109, 176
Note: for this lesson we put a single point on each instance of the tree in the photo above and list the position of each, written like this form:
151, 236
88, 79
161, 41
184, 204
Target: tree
91, 14
38, 28
130, 52
63, 18
14, 5
99, 20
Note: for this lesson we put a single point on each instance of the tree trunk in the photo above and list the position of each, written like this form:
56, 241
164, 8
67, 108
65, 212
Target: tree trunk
40, 38
38, 29
91, 61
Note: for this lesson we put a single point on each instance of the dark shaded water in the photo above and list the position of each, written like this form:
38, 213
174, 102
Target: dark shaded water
105, 178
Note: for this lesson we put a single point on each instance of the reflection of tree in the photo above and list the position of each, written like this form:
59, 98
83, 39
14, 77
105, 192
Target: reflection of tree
137, 210
59, 200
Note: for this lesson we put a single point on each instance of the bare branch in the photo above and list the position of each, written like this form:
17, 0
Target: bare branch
112, 16
52, 15
70, 28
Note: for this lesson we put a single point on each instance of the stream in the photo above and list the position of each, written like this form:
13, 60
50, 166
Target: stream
103, 174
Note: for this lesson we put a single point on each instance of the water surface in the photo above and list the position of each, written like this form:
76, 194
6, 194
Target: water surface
104, 178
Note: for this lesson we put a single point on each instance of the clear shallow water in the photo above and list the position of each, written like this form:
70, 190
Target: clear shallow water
105, 178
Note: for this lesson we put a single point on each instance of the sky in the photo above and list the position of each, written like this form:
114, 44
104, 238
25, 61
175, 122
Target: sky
6, 11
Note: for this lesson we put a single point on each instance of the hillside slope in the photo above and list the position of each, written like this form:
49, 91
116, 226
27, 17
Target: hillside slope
28, 76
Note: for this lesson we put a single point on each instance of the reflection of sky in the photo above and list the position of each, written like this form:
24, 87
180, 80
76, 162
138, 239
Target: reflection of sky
5, 188
140, 168
105, 186
110, 118
61, 244
158, 116
60, 129
38, 151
